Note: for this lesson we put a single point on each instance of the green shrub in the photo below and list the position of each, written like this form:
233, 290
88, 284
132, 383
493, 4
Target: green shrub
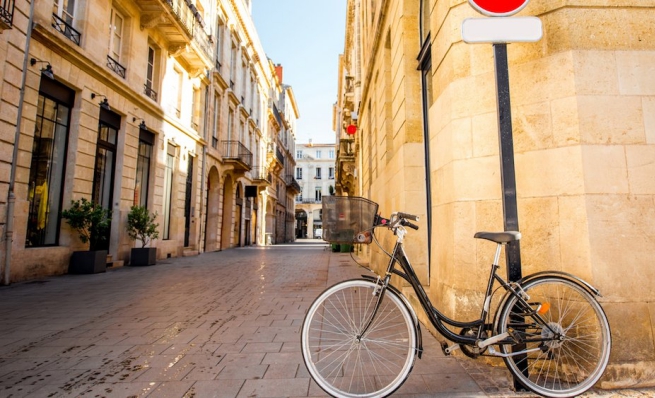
141, 225
90, 220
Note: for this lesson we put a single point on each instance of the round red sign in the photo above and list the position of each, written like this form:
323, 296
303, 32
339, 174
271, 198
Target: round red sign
498, 8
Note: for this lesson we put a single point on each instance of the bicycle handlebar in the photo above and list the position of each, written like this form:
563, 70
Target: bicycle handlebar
406, 223
397, 218
407, 216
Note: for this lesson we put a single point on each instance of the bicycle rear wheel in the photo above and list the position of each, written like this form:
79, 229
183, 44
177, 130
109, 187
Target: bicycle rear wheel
346, 365
571, 352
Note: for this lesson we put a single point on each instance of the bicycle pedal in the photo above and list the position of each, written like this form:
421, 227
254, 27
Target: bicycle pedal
447, 351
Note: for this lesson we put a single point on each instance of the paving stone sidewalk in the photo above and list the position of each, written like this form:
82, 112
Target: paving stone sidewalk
223, 324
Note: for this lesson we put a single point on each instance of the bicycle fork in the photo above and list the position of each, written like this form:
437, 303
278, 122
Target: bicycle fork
381, 287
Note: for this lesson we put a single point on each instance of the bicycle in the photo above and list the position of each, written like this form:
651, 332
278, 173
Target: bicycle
360, 337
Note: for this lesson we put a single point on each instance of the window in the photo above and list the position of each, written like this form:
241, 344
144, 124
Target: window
168, 190
299, 198
331, 173
230, 121
217, 119
175, 93
143, 161
115, 35
317, 194
64, 9
219, 43
318, 173
298, 173
48, 164
299, 154
195, 110
331, 154
318, 154
152, 72
233, 66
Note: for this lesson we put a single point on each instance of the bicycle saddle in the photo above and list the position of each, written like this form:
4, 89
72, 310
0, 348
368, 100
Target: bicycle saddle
499, 237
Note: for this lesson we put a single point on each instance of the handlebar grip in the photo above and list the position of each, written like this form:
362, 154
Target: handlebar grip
409, 224
408, 216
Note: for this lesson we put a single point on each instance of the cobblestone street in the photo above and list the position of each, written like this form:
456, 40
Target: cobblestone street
223, 324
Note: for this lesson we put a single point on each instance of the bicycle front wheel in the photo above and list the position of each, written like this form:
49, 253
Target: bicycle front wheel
569, 350
343, 361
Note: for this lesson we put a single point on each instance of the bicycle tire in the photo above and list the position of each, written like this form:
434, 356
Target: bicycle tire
344, 366
563, 367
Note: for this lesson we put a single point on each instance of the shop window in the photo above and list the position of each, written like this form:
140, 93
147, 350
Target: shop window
48, 165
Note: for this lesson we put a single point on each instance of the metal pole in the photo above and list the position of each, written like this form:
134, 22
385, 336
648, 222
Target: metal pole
507, 171
508, 175
11, 196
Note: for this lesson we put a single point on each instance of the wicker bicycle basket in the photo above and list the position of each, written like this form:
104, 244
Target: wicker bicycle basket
348, 219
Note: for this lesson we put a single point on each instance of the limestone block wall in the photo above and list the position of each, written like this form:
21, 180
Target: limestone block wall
583, 100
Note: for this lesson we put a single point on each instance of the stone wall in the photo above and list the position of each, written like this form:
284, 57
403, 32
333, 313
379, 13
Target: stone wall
581, 102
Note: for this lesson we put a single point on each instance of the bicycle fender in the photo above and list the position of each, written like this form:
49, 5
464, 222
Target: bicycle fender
575, 279
419, 334
586, 285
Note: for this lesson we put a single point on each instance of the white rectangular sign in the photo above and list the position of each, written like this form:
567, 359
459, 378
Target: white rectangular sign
502, 30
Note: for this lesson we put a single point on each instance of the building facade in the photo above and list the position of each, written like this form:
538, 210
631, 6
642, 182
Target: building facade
315, 172
582, 101
167, 104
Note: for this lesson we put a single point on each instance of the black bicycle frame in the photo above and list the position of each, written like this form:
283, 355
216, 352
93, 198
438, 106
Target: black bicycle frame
437, 318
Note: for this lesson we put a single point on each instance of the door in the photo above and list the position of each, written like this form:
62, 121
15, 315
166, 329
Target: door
187, 201
105, 165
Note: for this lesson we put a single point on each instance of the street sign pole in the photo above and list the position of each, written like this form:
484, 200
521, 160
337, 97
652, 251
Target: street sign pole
508, 181
507, 168
499, 30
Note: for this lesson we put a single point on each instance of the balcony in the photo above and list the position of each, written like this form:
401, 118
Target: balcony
292, 185
236, 154
274, 157
152, 94
116, 67
261, 174
183, 28
306, 201
64, 28
6, 14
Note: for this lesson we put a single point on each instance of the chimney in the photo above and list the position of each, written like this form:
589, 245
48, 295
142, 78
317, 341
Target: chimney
279, 71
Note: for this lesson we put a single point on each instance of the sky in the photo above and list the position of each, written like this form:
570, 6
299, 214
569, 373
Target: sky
306, 37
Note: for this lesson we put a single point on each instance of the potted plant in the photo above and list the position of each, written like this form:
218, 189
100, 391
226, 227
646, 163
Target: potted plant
91, 222
141, 225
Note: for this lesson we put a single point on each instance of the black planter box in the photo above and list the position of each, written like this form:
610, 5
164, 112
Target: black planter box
143, 256
88, 262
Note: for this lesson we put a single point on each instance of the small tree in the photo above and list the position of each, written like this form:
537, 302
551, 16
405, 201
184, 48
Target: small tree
90, 220
141, 225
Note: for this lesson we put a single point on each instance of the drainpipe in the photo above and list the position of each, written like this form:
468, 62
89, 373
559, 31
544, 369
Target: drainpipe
11, 198
203, 225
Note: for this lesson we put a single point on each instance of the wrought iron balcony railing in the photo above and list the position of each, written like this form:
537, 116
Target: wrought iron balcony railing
234, 150
116, 67
202, 40
184, 15
63, 27
292, 183
280, 156
150, 92
261, 174
7, 12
